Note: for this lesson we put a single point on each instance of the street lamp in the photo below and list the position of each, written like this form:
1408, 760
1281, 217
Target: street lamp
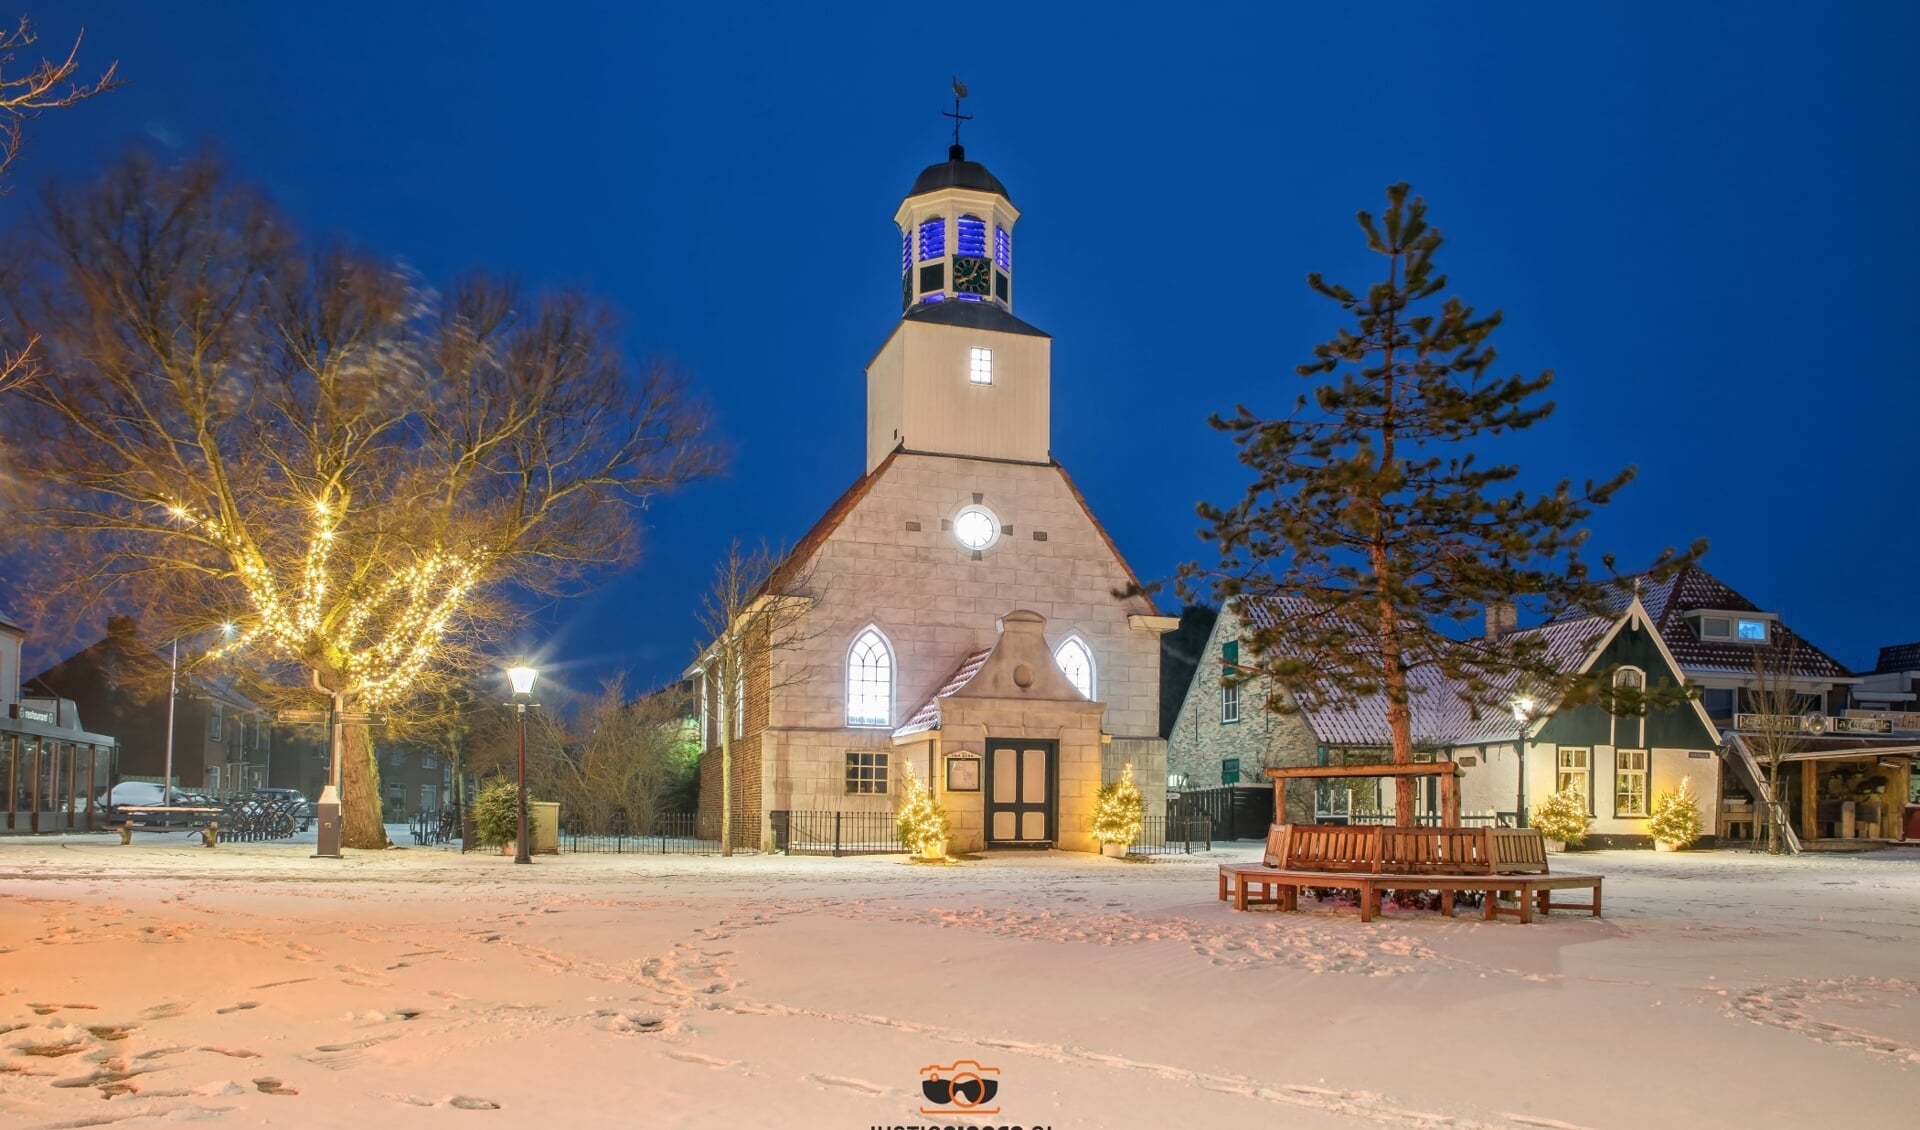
1522, 716
173, 693
522, 679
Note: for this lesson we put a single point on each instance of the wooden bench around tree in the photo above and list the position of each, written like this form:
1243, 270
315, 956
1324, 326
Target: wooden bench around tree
1493, 862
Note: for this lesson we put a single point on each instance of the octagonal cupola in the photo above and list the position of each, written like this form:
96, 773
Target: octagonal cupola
956, 236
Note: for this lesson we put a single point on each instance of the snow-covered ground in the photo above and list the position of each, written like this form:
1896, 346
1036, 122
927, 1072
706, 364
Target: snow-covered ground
419, 988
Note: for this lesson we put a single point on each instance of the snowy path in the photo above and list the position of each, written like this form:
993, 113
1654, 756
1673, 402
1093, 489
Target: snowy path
420, 988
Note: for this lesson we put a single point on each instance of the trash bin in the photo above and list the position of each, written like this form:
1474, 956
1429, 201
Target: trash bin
328, 824
543, 818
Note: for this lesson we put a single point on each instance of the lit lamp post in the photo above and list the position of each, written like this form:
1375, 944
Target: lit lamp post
522, 679
1522, 716
173, 693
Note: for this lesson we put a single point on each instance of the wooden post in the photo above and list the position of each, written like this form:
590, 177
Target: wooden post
1809, 799
1450, 800
1280, 800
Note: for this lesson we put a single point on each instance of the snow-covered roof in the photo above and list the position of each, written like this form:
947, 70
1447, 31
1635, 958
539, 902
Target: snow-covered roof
928, 716
1440, 717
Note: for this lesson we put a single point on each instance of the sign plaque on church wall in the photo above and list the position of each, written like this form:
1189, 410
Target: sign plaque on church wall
963, 773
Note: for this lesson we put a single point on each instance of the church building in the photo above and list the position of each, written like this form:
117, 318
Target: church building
960, 615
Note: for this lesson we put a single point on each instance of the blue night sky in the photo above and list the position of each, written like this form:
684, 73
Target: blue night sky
1692, 214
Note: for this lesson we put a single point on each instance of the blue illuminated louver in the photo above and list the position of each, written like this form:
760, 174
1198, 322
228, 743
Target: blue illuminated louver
933, 239
973, 236
906, 252
1003, 247
933, 296
969, 297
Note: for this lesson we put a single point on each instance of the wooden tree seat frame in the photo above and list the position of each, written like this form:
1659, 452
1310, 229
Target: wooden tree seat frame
1499, 863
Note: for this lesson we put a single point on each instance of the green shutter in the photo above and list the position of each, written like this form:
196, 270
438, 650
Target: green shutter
1230, 653
1230, 771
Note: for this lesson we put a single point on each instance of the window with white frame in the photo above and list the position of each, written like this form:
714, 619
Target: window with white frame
1229, 702
1630, 678
866, 772
1630, 782
739, 697
980, 365
1576, 771
213, 723
870, 680
706, 708
1076, 663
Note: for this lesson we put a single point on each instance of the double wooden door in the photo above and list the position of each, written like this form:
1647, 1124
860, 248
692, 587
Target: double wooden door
1023, 777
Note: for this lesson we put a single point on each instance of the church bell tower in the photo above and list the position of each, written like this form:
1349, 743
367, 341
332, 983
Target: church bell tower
959, 375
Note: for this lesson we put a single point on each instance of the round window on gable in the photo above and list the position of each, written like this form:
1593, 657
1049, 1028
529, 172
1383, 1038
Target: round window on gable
976, 528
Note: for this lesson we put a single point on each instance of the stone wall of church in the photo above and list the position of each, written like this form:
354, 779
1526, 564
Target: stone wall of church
936, 605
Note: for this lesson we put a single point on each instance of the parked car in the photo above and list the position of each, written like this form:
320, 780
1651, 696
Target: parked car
302, 810
142, 794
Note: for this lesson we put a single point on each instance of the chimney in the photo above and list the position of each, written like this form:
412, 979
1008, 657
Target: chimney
1503, 616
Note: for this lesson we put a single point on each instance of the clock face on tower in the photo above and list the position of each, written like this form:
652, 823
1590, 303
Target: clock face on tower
972, 275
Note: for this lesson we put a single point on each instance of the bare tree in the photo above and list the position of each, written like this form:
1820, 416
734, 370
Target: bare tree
755, 610
1774, 728
23, 97
366, 477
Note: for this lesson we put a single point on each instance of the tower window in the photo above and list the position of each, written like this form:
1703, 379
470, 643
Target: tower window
980, 365
933, 239
973, 236
1003, 247
906, 252
870, 680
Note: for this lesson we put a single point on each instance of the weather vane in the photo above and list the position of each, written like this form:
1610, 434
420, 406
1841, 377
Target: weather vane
959, 92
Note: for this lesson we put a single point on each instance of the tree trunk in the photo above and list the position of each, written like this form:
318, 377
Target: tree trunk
1399, 705
360, 822
726, 782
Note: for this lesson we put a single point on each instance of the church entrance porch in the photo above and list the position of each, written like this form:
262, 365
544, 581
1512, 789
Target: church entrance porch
1023, 777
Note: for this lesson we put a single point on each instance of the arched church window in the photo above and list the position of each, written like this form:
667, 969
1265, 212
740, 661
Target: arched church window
933, 238
1076, 663
870, 680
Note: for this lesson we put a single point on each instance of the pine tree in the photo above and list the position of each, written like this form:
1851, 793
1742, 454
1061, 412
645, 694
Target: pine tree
923, 824
1676, 816
1374, 523
1118, 811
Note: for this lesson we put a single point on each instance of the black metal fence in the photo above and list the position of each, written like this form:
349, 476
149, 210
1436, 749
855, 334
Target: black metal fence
836, 833
668, 833
1163, 836
1231, 812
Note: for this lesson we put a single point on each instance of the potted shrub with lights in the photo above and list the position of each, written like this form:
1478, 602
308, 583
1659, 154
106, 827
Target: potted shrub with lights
1675, 821
1562, 819
922, 823
1118, 813
496, 814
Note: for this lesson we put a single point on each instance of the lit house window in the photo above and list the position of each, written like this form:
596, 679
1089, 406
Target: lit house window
866, 772
1229, 702
870, 681
1630, 782
1076, 662
1576, 770
1752, 631
980, 365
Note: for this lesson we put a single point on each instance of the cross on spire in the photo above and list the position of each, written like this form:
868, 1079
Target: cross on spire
959, 92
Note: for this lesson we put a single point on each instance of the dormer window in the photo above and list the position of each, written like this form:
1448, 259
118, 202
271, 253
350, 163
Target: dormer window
980, 366
1732, 627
